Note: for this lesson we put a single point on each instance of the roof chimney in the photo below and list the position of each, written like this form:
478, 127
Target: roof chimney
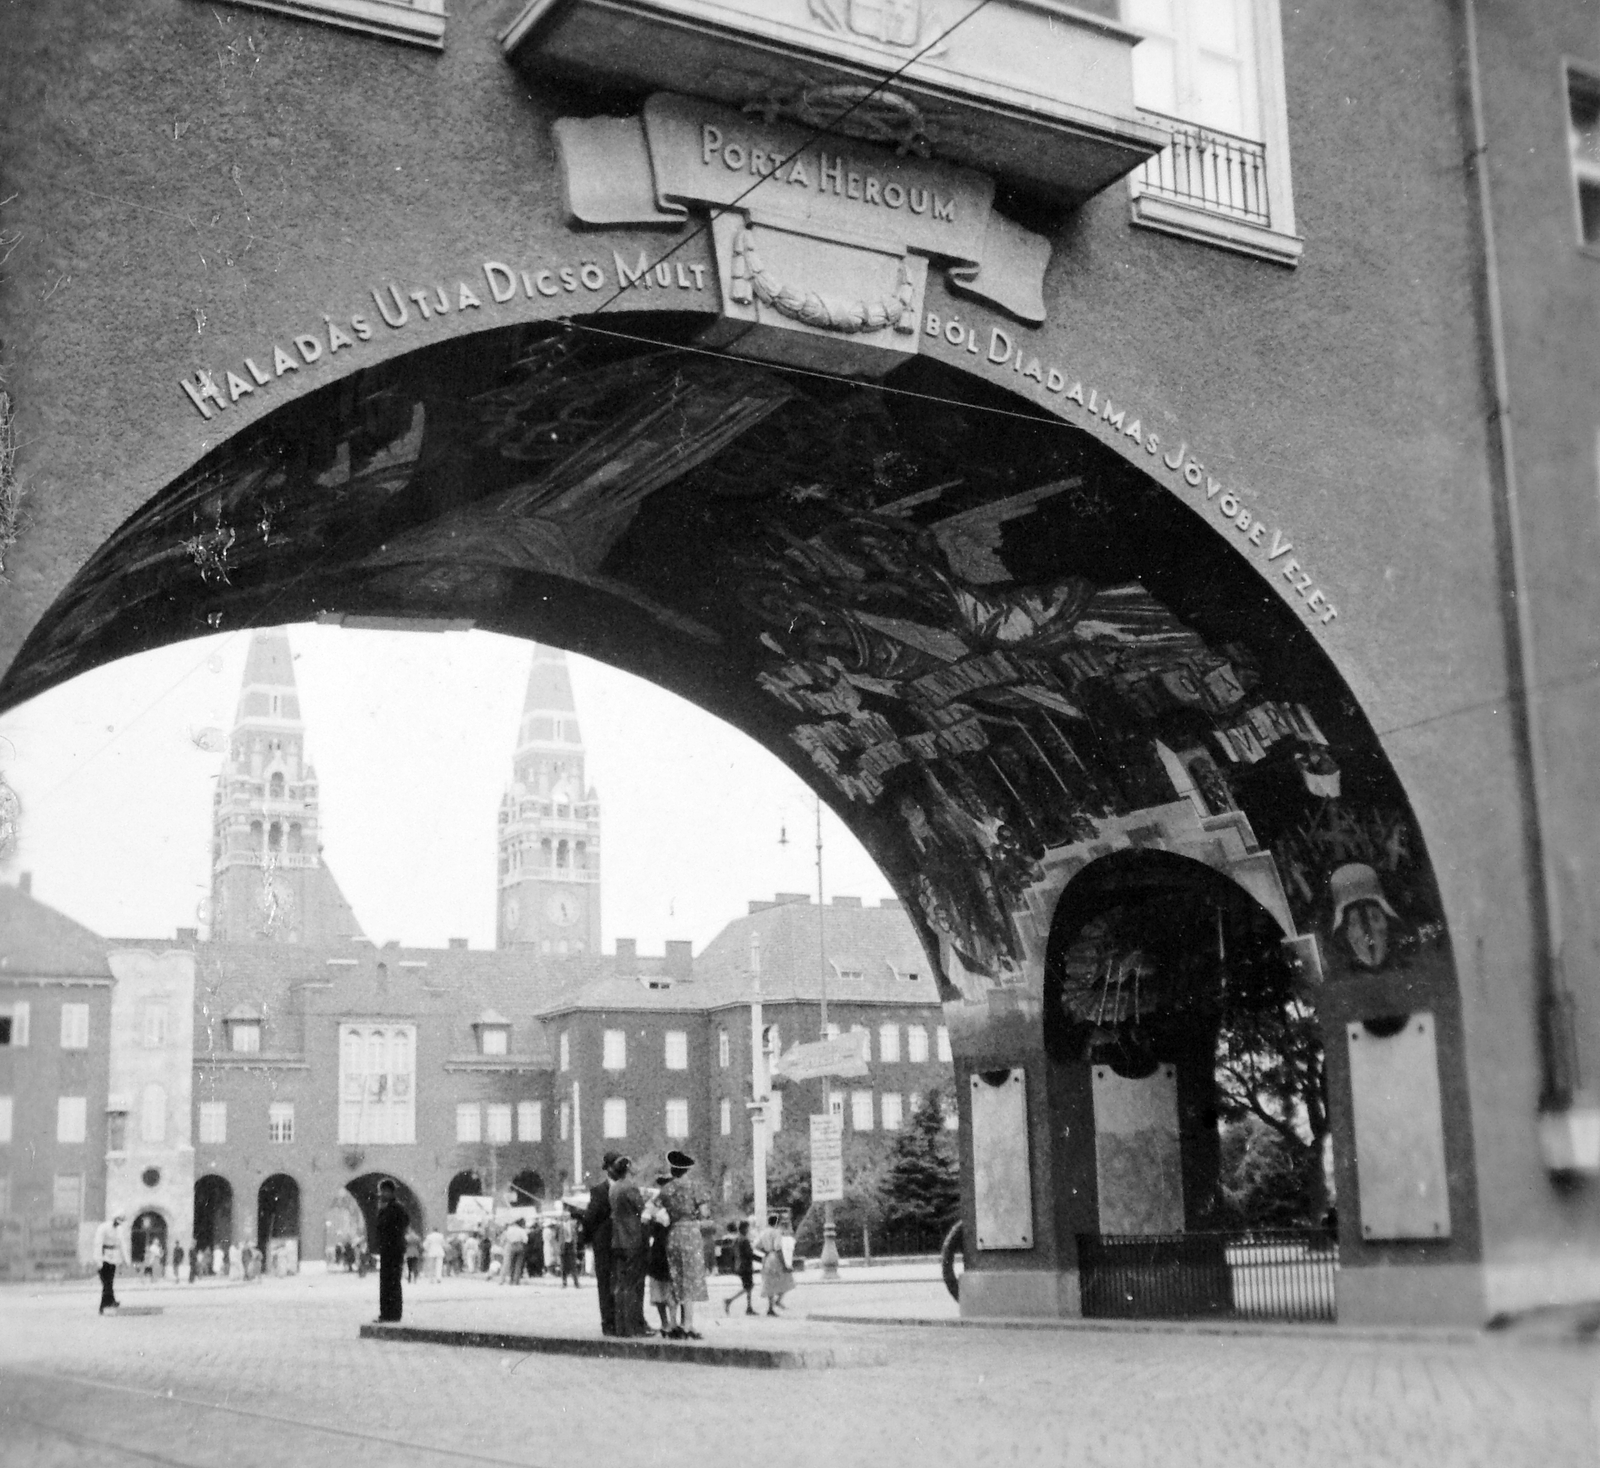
785, 897
846, 901
458, 942
679, 958
188, 936
627, 954
25, 883
892, 902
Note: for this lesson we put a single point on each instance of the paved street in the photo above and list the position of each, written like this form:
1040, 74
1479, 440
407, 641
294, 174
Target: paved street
274, 1373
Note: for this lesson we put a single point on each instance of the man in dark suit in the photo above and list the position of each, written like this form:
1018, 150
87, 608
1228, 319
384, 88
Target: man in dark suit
392, 1225
627, 1251
597, 1231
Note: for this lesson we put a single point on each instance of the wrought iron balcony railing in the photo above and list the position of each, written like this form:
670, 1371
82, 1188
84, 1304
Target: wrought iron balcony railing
1208, 169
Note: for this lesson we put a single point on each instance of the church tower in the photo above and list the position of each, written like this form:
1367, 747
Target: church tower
268, 881
549, 824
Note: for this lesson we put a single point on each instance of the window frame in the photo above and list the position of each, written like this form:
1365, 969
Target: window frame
917, 1044
280, 1123
499, 1121
725, 1116
889, 1043
670, 1103
942, 1042
614, 1119
724, 1049
681, 1037
7, 1118
613, 1050
212, 1112
862, 1104
76, 1035
72, 1115
1579, 171
469, 1123
1276, 241
898, 1108
239, 1029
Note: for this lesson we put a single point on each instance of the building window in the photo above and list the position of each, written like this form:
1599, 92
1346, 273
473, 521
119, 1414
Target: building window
723, 1049
66, 1200
725, 1116
566, 1051
889, 1043
469, 1122
494, 1039
861, 1110
5, 1118
5, 1194
771, 1043
566, 1121
72, 1118
677, 1050
280, 1121
14, 1024
836, 1104
155, 1025
153, 1115
74, 1026
116, 1131
917, 1044
864, 1036
889, 1108
377, 1084
420, 22
943, 1033
614, 1118
1583, 137
614, 1050
213, 1122
244, 1036
1210, 72
677, 1119
497, 1128
530, 1121
851, 974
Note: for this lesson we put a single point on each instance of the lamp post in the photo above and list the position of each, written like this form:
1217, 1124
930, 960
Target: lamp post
758, 1087
830, 1233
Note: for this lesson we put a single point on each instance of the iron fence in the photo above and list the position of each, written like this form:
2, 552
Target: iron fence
1211, 169
1262, 1274
875, 1243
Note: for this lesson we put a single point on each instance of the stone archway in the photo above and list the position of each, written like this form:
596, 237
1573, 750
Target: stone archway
278, 1226
990, 638
213, 1213
364, 1190
149, 1229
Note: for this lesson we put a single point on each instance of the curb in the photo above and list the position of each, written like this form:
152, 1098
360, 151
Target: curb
1330, 1332
758, 1358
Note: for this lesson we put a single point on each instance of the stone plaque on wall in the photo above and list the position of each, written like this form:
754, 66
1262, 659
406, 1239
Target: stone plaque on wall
1394, 1085
1138, 1161
1002, 1177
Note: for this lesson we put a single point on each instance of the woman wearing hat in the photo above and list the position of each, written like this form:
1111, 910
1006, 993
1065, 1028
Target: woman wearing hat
680, 1199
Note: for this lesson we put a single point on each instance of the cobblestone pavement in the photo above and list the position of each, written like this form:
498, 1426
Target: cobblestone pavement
273, 1373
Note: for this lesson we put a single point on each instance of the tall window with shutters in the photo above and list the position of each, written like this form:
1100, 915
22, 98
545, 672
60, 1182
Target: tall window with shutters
377, 1090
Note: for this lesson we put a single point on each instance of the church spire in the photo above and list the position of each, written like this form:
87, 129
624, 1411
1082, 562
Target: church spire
549, 859
268, 880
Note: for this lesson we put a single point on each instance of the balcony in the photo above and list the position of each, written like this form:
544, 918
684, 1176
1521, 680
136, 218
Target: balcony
1033, 90
1207, 169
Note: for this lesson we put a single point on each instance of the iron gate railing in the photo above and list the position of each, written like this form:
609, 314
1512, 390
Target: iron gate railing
1209, 169
1262, 1274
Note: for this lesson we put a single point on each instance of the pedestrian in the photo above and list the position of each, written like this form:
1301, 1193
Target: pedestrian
177, 1261
153, 1262
433, 1252
533, 1251
514, 1243
235, 1262
597, 1232
219, 1264
393, 1230
657, 1267
552, 1243
569, 1249
108, 1250
776, 1277
413, 1254
744, 1265
685, 1247
627, 1251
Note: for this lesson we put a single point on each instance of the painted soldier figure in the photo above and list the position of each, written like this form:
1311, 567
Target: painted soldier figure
392, 1225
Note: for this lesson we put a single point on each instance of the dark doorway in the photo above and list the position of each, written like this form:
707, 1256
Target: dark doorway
213, 1212
527, 1189
463, 1184
149, 1227
277, 1210
364, 1190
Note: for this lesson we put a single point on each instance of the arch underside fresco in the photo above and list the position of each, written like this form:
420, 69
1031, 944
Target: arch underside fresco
995, 646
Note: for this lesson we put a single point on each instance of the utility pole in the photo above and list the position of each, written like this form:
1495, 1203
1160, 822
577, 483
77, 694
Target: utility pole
830, 1238
758, 1088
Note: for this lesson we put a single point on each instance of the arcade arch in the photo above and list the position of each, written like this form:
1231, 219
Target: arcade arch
213, 1212
364, 1190
991, 639
277, 1211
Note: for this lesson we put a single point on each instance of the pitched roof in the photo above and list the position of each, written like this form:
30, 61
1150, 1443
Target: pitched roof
36, 941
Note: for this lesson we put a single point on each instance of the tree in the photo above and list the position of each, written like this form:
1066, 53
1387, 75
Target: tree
1263, 1179
922, 1183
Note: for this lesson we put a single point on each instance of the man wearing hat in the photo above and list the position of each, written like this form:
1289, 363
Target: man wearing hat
393, 1223
627, 1250
1361, 913
597, 1230
108, 1254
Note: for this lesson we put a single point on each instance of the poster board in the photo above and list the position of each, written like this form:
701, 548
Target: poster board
827, 1159
1002, 1171
1138, 1158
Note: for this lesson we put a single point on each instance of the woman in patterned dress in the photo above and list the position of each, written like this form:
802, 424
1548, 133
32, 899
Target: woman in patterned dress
685, 1256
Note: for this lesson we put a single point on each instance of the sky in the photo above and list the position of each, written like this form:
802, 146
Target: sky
411, 735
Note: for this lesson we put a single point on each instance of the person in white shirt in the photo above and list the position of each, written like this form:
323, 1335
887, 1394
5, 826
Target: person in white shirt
108, 1251
433, 1255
